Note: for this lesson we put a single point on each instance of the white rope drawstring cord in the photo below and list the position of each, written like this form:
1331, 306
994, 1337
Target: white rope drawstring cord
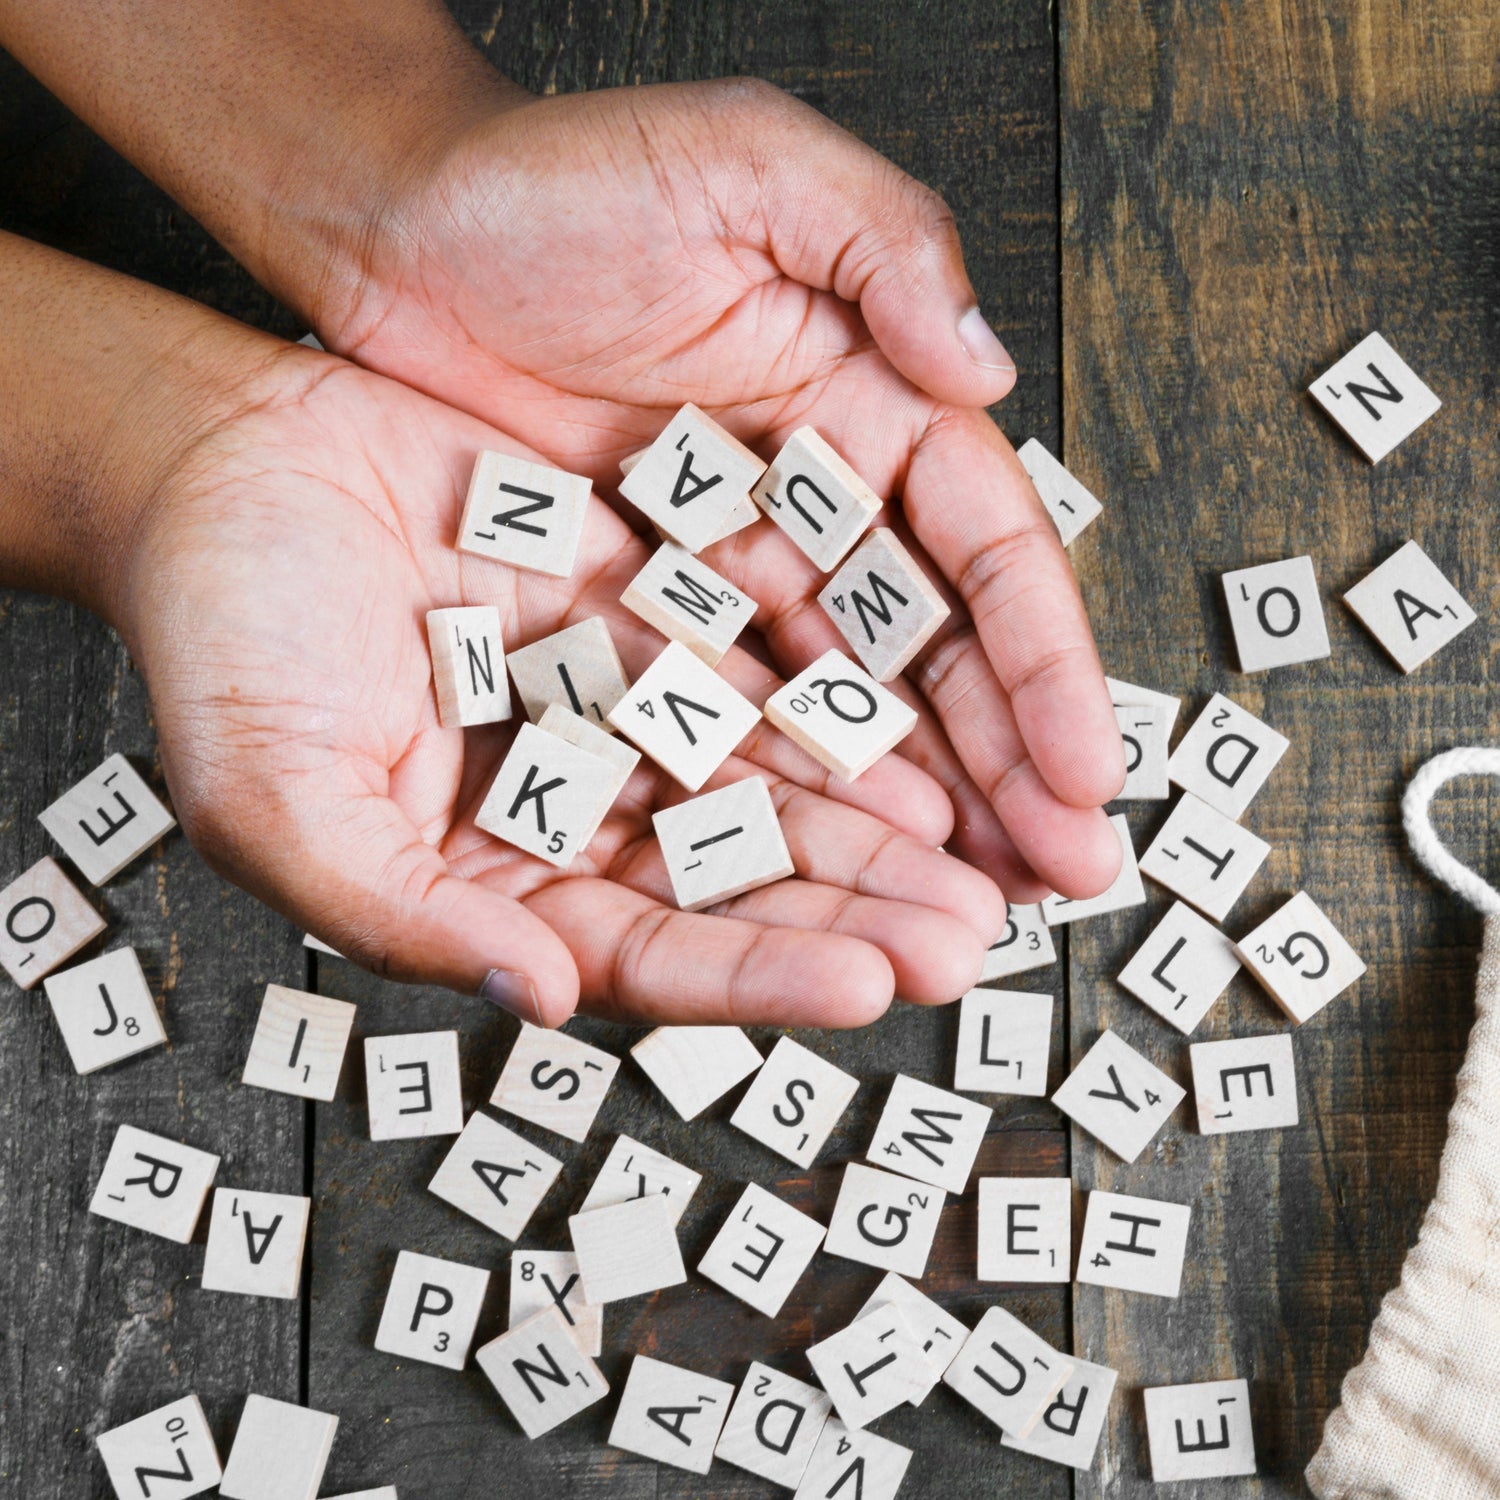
1425, 844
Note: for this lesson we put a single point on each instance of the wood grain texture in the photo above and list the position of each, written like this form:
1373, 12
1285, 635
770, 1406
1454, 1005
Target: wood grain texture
1248, 191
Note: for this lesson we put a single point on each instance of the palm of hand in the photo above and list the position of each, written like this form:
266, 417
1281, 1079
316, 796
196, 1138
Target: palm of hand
301, 552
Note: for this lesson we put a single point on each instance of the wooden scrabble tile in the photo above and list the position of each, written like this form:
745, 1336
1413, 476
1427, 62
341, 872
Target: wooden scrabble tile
685, 716
883, 605
44, 921
1184, 965
1120, 1098
549, 797
540, 1373
722, 844
814, 496
671, 1414
1025, 944
1276, 614
871, 1367
431, 1309
1225, 758
549, 1278
687, 601
1375, 396
694, 1065
108, 819
1135, 1244
762, 1250
413, 1083
170, 1448
689, 483
468, 665
154, 1184
936, 1330
929, 1134
1071, 504
319, 946
849, 1463
884, 1221
1143, 731
1204, 857
1126, 890
496, 1176
577, 667
299, 1043
773, 1426
1246, 1084
794, 1102
105, 1010
555, 1081
1300, 958
1007, 1373
255, 1243
1068, 1432
840, 715
587, 735
1130, 695
626, 1250
632, 1170
1004, 1037
524, 514
1200, 1431
1025, 1229
279, 1452
1410, 607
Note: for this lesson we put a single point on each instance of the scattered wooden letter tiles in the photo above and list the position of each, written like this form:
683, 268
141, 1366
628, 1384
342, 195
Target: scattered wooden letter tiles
1135, 1244
555, 1081
849, 1462
299, 1043
468, 665
840, 715
541, 1373
524, 514
814, 496
1004, 1037
685, 716
1225, 758
171, 1445
1025, 1229
694, 1065
154, 1184
1070, 503
870, 1367
1249, 1083
936, 1330
762, 1250
105, 821
684, 598
496, 1176
413, 1083
1125, 890
255, 1243
1375, 396
1143, 731
44, 921
929, 1134
279, 1452
632, 1170
691, 481
1007, 1373
627, 1249
884, 1221
549, 1278
1120, 1098
794, 1102
587, 735
671, 1414
1068, 1432
1203, 857
1025, 944
1276, 614
105, 1010
431, 1310
577, 667
1410, 607
1130, 695
1200, 1431
1300, 958
1183, 966
773, 1426
883, 605
722, 844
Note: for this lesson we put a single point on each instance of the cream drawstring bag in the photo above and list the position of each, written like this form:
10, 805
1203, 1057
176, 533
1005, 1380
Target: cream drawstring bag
1420, 1414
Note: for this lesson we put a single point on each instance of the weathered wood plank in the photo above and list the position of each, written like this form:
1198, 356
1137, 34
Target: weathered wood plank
1247, 192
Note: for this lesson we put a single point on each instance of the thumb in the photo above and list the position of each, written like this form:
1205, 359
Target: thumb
840, 217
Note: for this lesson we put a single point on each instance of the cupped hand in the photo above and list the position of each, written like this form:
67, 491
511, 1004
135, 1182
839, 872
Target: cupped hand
575, 268
275, 598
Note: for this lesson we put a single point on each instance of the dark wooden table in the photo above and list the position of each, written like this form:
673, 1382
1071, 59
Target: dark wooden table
1177, 216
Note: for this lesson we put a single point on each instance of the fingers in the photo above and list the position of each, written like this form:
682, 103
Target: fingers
838, 216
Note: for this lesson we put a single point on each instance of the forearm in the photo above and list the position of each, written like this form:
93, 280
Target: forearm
280, 124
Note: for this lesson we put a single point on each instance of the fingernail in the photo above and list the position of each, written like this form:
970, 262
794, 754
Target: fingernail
513, 991
980, 343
